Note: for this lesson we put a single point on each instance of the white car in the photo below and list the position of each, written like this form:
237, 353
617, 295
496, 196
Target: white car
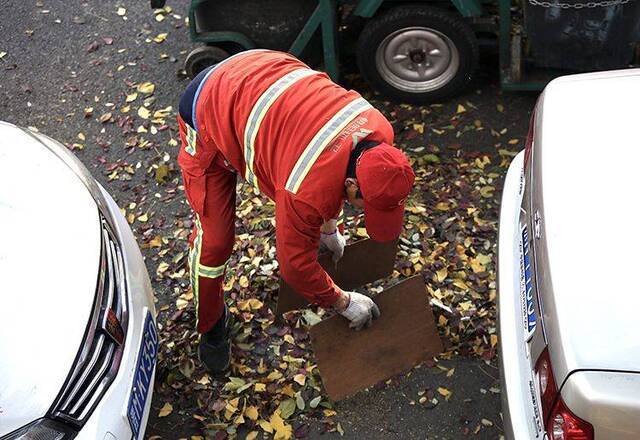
568, 294
78, 339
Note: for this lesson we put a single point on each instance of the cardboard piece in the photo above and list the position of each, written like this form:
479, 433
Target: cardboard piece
403, 336
348, 274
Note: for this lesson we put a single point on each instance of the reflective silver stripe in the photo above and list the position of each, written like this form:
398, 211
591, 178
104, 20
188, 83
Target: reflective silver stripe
194, 260
259, 111
211, 272
320, 141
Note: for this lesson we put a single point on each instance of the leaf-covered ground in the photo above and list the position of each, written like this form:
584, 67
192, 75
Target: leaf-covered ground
105, 79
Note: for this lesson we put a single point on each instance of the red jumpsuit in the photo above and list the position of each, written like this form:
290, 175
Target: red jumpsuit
288, 131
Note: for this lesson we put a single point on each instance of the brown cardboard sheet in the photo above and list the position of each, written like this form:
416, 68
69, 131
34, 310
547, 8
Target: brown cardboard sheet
403, 336
363, 262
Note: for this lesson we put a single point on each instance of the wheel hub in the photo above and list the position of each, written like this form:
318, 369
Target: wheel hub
417, 59
417, 56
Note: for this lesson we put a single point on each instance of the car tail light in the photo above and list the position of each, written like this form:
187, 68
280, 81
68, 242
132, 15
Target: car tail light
565, 425
547, 383
560, 422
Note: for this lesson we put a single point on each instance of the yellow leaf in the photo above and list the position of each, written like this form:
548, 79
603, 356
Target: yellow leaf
155, 241
442, 206
289, 339
461, 109
160, 37
132, 97
329, 412
121, 11
477, 266
252, 435
266, 426
81, 136
300, 378
251, 412
441, 275
460, 284
444, 392
244, 281
287, 390
419, 128
144, 113
274, 375
143, 218
283, 431
165, 410
260, 387
146, 87
500, 107
494, 340
362, 232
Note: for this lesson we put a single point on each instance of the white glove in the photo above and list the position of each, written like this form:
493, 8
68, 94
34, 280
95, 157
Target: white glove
335, 242
360, 311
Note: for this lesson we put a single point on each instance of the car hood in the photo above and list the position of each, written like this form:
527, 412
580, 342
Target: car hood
586, 159
49, 259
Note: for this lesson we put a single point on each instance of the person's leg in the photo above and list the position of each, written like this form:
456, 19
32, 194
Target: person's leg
212, 244
210, 189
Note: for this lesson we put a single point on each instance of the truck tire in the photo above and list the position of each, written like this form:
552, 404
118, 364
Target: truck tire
202, 57
417, 54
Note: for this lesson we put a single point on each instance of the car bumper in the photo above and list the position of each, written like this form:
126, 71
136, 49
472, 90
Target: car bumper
520, 398
109, 420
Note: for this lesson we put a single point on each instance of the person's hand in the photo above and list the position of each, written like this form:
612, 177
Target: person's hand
335, 242
360, 310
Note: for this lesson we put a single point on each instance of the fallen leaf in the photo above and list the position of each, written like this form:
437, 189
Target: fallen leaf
266, 426
146, 87
143, 112
160, 37
251, 412
165, 410
329, 413
283, 431
287, 408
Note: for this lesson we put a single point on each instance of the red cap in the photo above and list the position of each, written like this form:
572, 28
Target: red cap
385, 179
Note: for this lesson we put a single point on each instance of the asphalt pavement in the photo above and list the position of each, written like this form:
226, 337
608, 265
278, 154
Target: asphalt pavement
67, 69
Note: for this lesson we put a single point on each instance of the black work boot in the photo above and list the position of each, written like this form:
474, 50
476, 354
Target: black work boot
214, 350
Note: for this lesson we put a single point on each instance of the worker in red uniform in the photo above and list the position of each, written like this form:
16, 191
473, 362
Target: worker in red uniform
307, 144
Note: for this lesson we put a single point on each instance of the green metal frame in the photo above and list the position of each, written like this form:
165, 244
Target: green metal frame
324, 17
504, 38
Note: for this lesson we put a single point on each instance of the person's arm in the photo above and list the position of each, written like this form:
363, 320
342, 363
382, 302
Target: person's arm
298, 228
329, 227
297, 234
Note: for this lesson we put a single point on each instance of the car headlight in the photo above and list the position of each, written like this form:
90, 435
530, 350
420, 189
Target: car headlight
99, 358
43, 429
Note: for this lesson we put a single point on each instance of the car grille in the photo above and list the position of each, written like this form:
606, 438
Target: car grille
99, 358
